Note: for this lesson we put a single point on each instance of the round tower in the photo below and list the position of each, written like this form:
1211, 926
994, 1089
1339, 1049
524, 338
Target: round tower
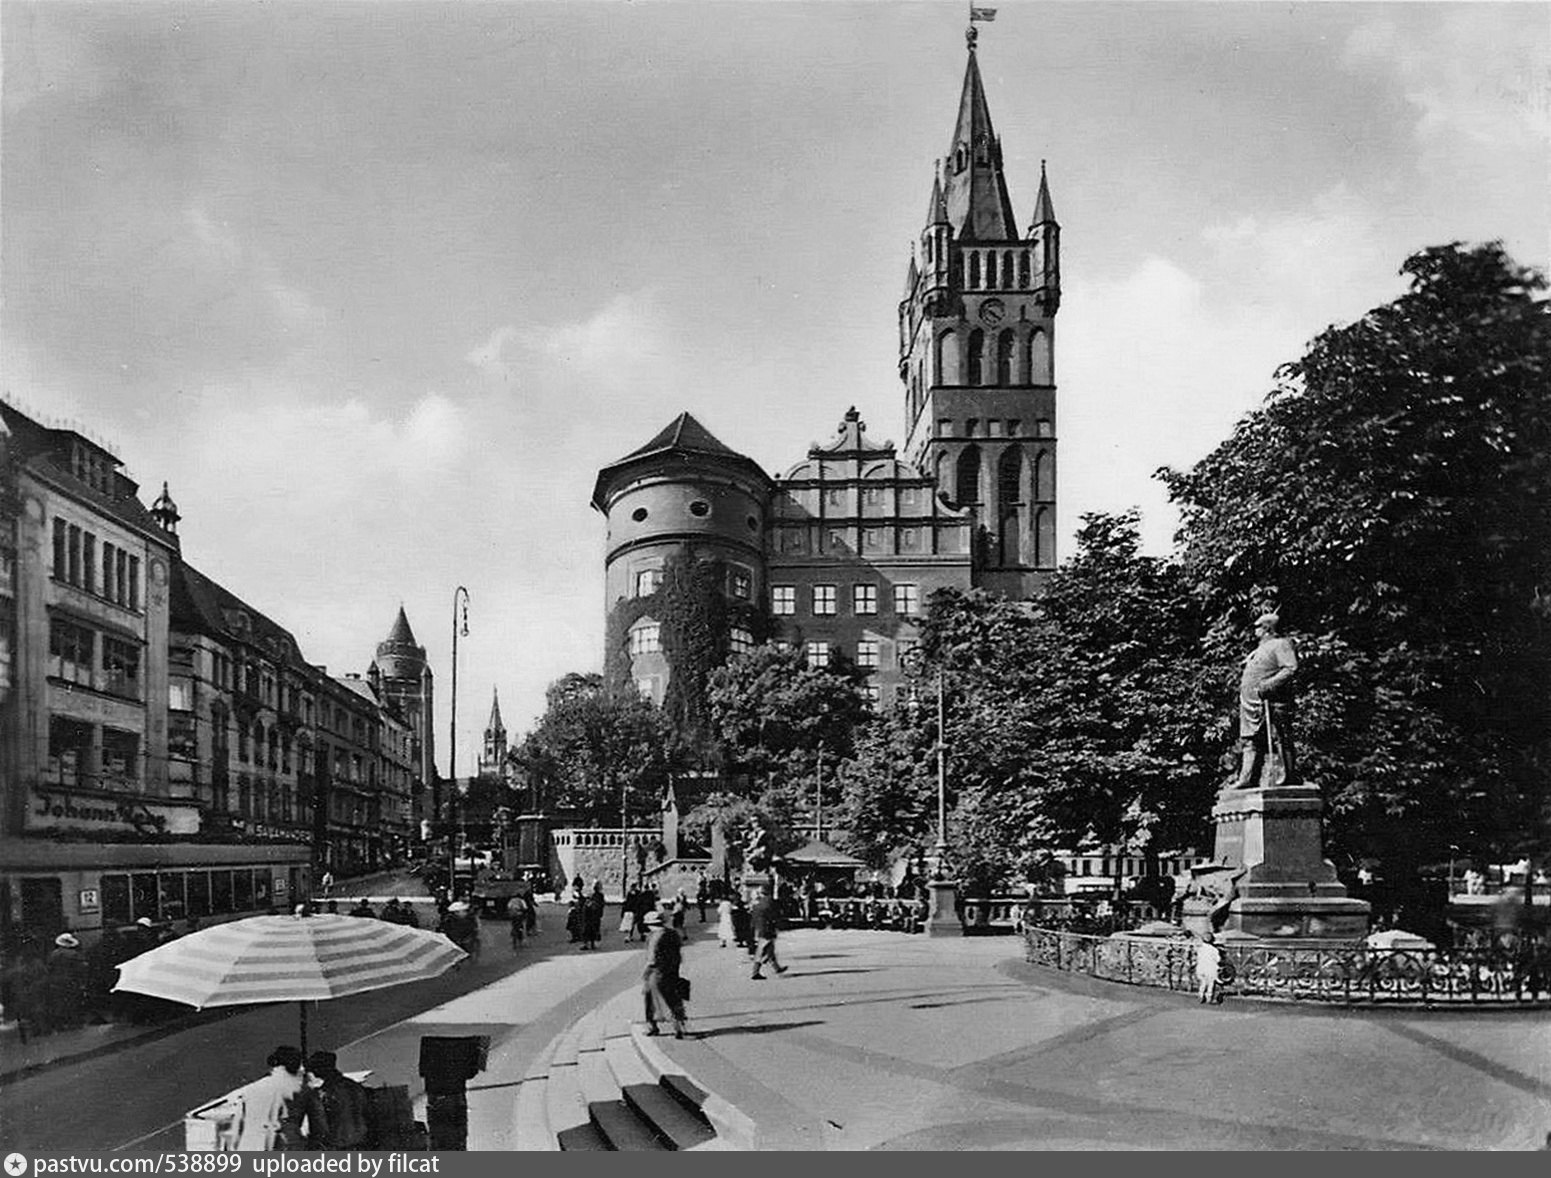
682, 495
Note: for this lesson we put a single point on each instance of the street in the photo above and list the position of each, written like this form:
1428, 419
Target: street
136, 1097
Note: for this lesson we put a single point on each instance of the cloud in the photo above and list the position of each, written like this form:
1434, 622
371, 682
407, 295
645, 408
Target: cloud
626, 333
291, 306
490, 357
1464, 77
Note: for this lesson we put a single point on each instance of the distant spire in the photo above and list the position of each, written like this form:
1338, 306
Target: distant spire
165, 512
1044, 211
495, 724
936, 207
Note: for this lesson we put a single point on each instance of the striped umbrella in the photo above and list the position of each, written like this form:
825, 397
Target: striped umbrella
288, 959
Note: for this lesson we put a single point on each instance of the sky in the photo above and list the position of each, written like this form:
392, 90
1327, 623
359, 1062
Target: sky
377, 287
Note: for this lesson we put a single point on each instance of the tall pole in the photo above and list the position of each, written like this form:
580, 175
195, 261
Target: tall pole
452, 743
942, 774
624, 836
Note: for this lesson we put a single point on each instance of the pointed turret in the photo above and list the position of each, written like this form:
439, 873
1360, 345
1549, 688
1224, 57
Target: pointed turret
976, 195
401, 634
1044, 211
165, 512
937, 207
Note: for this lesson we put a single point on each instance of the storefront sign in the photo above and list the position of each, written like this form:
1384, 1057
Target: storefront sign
89, 900
50, 808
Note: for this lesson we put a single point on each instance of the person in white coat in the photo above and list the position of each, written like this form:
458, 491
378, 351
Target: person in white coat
1208, 968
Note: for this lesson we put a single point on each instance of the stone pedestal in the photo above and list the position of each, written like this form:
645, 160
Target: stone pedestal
1287, 889
942, 920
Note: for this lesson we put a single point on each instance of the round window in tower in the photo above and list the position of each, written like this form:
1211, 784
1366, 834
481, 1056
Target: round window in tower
638, 514
699, 507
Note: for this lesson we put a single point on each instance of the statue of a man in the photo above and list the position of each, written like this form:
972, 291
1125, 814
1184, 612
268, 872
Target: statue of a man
1265, 709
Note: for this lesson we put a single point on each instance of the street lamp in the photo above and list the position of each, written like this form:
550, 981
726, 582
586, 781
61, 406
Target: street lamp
452, 741
943, 919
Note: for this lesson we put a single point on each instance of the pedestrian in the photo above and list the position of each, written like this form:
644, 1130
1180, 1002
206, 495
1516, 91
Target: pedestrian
766, 923
66, 986
573, 919
724, 930
592, 916
661, 985
743, 934
680, 909
346, 1121
274, 1109
629, 913
363, 907
517, 917
328, 882
1208, 968
702, 896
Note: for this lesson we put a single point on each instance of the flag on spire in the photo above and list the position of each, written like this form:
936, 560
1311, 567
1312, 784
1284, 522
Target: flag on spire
981, 14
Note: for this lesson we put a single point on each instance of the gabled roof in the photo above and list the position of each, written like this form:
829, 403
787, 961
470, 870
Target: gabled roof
198, 604
976, 195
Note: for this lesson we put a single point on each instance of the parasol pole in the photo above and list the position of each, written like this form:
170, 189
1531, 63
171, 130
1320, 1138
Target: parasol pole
303, 1005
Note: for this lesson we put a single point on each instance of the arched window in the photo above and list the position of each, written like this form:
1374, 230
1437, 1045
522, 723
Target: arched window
974, 271
1007, 269
1039, 358
1045, 538
1023, 270
974, 356
1004, 344
967, 476
1044, 476
946, 359
1009, 477
991, 271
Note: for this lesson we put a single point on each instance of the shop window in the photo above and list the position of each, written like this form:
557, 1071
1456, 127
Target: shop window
198, 893
145, 895
220, 892
242, 889
120, 756
69, 751
115, 901
173, 905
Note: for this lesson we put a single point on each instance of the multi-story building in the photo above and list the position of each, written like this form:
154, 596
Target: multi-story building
241, 708
841, 553
95, 828
347, 826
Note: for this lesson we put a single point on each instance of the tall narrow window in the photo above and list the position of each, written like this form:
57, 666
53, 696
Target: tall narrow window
1023, 270
61, 547
991, 271
73, 575
1004, 346
132, 599
89, 562
974, 356
967, 476
974, 271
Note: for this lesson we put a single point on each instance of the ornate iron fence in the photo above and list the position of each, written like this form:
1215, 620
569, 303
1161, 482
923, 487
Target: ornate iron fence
1517, 974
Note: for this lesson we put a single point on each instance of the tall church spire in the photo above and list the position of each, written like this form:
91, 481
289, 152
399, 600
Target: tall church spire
976, 193
495, 724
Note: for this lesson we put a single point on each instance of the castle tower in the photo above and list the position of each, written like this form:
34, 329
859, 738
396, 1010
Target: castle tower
404, 677
682, 495
492, 753
976, 351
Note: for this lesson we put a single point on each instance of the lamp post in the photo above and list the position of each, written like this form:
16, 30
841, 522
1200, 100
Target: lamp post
452, 741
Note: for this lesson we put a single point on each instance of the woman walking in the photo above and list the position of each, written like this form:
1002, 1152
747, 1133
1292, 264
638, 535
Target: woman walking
724, 930
661, 986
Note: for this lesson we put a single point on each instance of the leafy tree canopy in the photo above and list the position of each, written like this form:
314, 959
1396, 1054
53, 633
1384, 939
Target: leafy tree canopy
1393, 499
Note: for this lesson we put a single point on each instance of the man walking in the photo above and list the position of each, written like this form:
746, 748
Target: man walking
766, 922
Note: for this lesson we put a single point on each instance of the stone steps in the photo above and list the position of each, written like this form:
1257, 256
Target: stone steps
593, 1087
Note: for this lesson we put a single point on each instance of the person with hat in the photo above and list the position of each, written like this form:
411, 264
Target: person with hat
346, 1121
661, 982
1208, 968
65, 988
1265, 709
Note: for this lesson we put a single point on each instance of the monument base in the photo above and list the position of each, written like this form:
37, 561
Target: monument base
943, 919
1279, 883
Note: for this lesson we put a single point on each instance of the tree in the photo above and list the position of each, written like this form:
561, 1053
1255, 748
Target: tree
888, 805
1393, 498
1086, 708
590, 746
771, 714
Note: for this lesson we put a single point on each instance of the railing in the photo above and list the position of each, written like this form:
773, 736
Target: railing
1517, 974
858, 912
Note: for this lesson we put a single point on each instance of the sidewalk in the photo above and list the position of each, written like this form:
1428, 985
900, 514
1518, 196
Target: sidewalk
878, 1040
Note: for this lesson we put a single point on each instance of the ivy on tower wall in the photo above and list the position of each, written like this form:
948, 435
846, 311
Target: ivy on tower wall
696, 616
